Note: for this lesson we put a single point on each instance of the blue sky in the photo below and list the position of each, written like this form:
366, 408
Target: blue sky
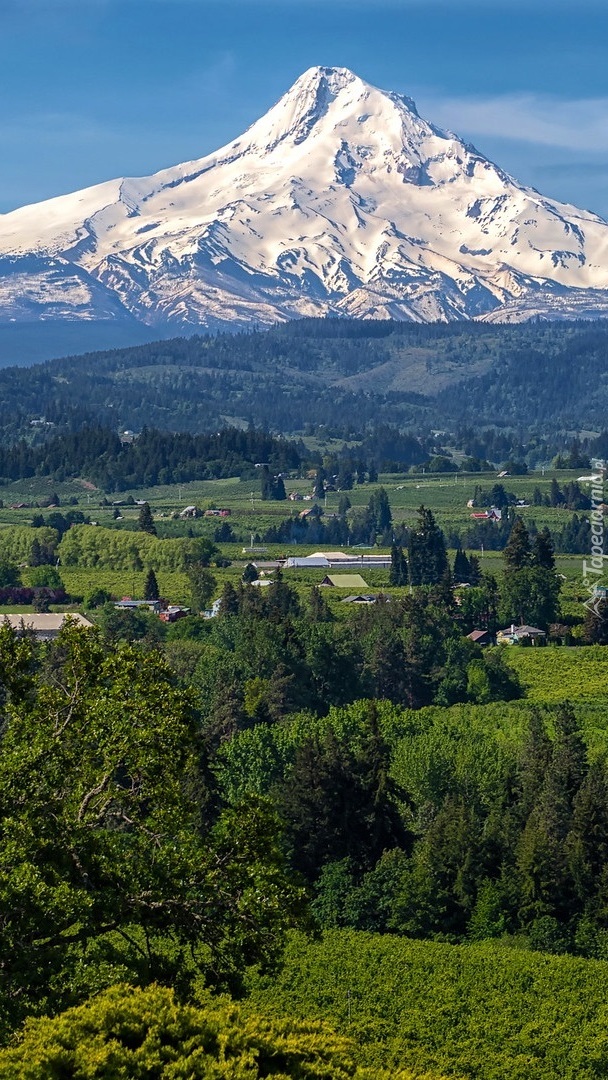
92, 89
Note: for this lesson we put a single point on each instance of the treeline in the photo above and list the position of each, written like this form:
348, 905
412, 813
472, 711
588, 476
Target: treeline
537, 381
154, 457
267, 655
462, 825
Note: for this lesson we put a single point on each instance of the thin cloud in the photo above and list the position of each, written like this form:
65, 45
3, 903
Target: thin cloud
544, 120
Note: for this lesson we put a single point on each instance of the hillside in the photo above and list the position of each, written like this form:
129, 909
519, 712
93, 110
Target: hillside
339, 373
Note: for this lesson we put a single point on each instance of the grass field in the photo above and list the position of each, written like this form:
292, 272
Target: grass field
447, 496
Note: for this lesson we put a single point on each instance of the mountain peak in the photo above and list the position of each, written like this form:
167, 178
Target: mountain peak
334, 78
340, 200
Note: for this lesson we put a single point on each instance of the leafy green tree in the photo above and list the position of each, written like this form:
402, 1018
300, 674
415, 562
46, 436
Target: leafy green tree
45, 577
250, 573
9, 574
149, 1033
202, 585
530, 592
145, 521
201, 550
130, 625
97, 598
110, 858
530, 597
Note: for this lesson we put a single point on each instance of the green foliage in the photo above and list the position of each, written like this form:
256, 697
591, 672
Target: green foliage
44, 576
477, 1011
111, 861
202, 585
16, 543
95, 547
9, 573
428, 562
145, 1034
553, 675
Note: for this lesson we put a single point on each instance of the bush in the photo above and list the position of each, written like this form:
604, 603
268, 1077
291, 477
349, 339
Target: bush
145, 1034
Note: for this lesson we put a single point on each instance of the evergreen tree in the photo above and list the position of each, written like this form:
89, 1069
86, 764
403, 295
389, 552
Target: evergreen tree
250, 573
229, 601
318, 608
145, 521
398, 574
281, 599
279, 493
345, 477
266, 483
344, 505
543, 554
428, 561
319, 484
474, 570
379, 514
151, 591
461, 566
517, 554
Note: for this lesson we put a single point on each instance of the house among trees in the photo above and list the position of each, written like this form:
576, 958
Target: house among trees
480, 637
516, 635
127, 604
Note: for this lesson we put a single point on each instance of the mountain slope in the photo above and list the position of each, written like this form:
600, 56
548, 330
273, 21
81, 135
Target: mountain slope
340, 200
342, 374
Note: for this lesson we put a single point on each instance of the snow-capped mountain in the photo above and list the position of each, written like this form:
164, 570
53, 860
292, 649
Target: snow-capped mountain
340, 200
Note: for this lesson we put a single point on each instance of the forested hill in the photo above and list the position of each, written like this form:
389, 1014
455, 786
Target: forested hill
333, 372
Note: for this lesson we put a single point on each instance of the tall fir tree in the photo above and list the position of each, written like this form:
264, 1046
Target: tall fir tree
543, 553
151, 591
145, 521
517, 554
398, 574
428, 561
